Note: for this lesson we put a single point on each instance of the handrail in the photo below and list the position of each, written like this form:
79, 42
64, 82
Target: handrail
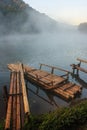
81, 60
54, 68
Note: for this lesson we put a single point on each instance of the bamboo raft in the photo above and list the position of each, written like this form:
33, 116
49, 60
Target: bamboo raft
18, 106
58, 85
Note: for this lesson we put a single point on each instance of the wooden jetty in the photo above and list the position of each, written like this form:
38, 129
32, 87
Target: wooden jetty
78, 67
49, 81
18, 106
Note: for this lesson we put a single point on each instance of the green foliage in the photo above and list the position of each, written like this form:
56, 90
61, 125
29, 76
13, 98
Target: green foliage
61, 119
2, 125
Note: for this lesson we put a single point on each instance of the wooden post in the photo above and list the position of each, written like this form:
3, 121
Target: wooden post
37, 91
68, 75
5, 96
40, 66
73, 70
52, 71
78, 69
5, 93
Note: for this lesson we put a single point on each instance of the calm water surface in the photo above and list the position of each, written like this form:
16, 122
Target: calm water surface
59, 49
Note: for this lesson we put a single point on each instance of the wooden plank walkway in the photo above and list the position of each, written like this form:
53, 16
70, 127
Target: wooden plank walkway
18, 106
49, 81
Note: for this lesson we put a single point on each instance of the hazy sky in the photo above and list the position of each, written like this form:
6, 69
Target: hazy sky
69, 11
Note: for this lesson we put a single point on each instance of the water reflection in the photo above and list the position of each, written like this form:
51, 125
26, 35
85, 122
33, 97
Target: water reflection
59, 49
79, 80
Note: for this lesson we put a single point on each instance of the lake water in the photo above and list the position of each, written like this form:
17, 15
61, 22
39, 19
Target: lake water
57, 49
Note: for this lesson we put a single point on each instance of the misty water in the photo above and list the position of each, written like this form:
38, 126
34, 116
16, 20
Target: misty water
57, 49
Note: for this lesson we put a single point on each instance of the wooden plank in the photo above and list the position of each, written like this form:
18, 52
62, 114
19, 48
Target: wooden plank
68, 87
9, 108
76, 89
81, 60
57, 85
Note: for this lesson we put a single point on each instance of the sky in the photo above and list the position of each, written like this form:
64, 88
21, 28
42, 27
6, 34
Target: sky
68, 11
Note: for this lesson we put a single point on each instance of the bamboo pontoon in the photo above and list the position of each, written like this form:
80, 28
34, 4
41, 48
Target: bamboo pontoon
49, 81
18, 106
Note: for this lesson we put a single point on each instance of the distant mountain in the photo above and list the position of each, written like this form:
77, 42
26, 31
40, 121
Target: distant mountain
11, 5
83, 27
17, 16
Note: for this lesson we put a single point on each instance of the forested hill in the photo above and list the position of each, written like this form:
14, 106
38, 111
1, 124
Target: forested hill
83, 27
11, 5
18, 17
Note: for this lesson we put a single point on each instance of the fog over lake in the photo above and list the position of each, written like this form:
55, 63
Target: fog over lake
58, 49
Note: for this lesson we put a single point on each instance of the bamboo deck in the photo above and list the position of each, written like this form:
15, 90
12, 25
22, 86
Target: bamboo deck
49, 81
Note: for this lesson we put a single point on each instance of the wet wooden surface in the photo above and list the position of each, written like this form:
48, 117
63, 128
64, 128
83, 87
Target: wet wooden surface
49, 81
18, 106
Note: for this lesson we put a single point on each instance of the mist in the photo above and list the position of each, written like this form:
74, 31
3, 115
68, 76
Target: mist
31, 38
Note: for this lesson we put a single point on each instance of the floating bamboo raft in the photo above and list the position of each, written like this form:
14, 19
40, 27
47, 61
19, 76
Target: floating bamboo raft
49, 81
18, 107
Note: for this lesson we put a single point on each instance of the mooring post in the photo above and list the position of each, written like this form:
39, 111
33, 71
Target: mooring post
5, 95
27, 87
52, 71
73, 67
67, 75
40, 66
78, 69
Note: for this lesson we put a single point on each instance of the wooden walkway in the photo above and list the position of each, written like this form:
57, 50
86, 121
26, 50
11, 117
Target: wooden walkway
49, 81
18, 106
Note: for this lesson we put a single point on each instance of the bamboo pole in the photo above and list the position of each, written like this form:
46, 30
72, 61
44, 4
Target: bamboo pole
25, 98
18, 121
81, 60
9, 108
14, 103
55, 68
22, 109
